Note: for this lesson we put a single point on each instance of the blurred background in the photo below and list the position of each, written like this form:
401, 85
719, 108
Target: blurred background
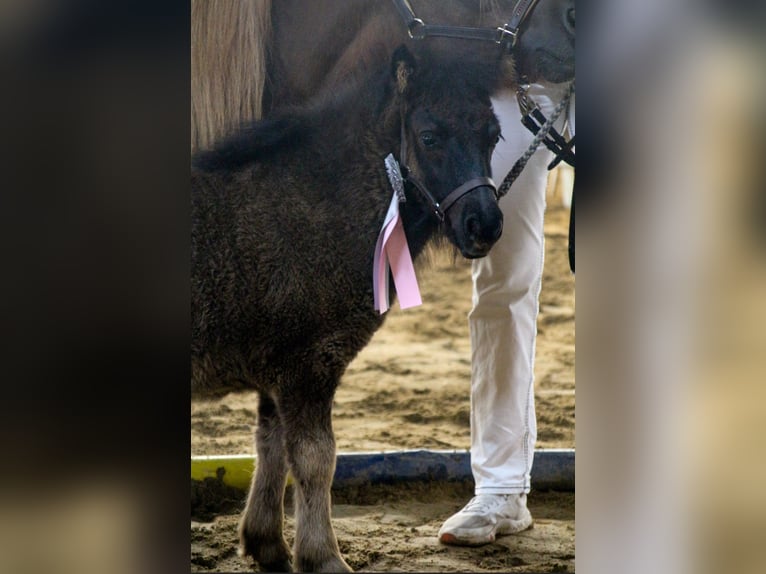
671, 335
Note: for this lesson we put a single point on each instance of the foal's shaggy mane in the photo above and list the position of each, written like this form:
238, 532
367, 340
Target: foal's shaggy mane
252, 142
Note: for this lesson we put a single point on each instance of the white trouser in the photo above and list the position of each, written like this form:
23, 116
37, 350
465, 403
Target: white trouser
503, 321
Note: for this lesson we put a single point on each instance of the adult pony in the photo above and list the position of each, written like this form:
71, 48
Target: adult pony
285, 218
250, 57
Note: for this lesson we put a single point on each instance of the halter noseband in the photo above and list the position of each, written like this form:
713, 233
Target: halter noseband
440, 207
509, 32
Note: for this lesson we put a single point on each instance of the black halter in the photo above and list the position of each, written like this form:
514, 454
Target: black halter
508, 33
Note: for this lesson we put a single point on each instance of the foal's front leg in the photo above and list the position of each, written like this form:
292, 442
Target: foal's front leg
310, 445
260, 529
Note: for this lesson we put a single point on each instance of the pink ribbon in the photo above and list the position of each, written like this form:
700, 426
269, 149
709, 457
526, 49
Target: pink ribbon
393, 253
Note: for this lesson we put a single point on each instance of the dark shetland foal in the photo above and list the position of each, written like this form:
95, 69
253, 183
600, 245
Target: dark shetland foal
284, 222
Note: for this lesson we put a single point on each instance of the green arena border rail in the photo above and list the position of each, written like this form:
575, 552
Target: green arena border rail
552, 469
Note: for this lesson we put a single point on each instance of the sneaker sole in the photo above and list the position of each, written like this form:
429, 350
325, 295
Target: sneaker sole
515, 526
504, 528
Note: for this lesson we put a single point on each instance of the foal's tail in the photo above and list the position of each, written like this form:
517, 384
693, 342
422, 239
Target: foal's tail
228, 65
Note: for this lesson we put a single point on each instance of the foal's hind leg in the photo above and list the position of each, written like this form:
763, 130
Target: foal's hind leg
260, 530
310, 444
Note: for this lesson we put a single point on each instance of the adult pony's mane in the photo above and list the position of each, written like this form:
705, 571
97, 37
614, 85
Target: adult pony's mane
228, 65
252, 142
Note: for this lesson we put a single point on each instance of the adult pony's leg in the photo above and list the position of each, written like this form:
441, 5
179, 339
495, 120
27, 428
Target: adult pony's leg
260, 529
310, 445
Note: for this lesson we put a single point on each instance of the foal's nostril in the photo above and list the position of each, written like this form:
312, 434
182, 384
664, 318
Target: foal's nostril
498, 231
483, 235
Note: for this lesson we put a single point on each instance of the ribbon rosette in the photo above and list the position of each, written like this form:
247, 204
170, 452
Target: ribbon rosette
392, 254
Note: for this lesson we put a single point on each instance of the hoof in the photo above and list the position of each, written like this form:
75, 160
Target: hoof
332, 564
267, 561
270, 555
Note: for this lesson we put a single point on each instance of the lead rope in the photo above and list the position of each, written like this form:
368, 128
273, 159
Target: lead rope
518, 167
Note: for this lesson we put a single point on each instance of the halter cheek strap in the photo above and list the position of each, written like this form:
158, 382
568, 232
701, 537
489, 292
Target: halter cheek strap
520, 12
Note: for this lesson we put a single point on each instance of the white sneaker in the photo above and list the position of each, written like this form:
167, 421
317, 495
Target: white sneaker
486, 516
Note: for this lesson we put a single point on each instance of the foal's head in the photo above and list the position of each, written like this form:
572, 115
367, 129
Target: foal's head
448, 137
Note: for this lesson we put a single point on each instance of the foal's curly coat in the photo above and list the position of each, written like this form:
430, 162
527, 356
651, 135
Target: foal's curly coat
285, 217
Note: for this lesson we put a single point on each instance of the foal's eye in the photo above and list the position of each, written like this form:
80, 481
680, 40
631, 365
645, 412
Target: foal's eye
428, 139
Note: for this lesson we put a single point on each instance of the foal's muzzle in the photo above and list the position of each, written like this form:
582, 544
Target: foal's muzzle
476, 223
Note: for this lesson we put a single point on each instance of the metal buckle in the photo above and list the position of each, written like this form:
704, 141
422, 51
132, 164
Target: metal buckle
503, 32
416, 29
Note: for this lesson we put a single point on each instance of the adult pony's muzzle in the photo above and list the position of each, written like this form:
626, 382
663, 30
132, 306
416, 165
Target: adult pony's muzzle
475, 223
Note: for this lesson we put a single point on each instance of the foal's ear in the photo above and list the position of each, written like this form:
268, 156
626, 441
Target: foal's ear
402, 67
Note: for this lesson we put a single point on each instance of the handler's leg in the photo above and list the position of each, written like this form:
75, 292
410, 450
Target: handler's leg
503, 326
